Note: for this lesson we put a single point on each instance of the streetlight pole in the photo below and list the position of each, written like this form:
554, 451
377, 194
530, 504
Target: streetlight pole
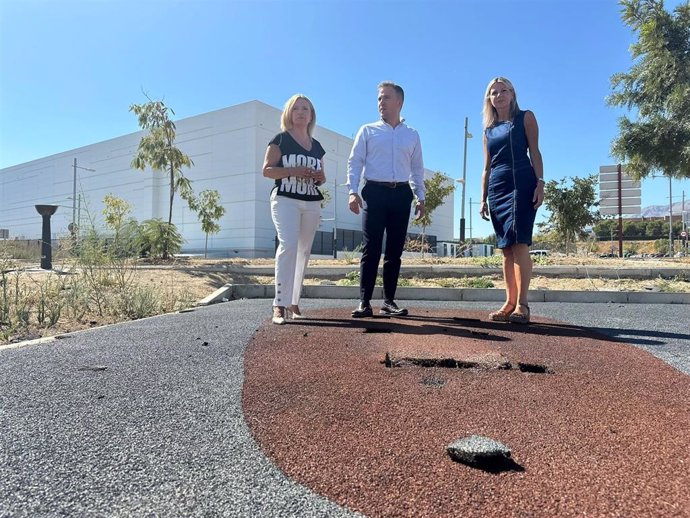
464, 176
670, 217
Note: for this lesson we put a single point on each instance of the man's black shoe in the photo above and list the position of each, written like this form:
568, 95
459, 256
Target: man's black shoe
392, 309
364, 310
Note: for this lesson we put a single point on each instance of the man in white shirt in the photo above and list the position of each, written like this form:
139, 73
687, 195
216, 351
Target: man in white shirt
388, 155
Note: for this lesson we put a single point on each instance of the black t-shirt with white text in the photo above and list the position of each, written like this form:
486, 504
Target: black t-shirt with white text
294, 155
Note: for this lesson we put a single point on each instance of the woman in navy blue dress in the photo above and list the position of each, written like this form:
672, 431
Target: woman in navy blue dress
513, 185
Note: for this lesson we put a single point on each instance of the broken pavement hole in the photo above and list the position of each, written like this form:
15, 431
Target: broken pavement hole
430, 363
451, 363
431, 381
534, 368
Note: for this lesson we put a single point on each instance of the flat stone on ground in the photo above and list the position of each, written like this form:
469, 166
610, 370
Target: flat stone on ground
477, 449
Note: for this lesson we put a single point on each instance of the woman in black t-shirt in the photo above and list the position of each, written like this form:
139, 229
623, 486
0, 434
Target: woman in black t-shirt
295, 161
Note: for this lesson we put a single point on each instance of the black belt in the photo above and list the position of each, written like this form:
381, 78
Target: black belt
390, 185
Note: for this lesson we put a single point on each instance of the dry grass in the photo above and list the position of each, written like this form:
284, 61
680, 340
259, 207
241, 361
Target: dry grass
189, 280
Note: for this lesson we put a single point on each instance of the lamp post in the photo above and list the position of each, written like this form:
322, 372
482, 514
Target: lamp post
74, 194
464, 175
670, 216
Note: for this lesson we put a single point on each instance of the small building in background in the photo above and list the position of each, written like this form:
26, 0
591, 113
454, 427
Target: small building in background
456, 249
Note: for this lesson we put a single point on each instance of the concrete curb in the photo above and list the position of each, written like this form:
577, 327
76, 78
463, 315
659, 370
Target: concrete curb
257, 291
576, 272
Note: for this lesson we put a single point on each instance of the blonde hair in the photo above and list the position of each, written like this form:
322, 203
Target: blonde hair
490, 114
286, 119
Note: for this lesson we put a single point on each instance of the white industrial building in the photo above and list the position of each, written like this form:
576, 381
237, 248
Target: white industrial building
227, 147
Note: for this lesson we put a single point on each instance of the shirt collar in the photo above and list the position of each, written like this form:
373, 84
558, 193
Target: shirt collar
402, 122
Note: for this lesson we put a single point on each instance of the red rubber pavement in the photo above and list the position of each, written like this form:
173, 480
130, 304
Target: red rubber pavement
606, 433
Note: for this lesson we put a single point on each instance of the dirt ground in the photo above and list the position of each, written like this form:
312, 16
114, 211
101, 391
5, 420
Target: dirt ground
593, 283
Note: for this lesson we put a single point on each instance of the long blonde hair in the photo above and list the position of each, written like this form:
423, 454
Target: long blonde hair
490, 115
286, 119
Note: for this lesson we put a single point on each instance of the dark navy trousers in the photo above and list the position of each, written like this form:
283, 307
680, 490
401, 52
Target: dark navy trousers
386, 209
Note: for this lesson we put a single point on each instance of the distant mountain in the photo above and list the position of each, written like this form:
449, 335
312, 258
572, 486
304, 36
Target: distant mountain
656, 211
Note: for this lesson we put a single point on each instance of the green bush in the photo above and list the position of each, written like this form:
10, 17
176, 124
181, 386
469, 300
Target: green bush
480, 282
352, 257
490, 261
661, 246
153, 234
139, 302
101, 281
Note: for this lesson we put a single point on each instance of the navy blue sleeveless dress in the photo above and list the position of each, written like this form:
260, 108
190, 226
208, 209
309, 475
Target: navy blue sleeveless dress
511, 182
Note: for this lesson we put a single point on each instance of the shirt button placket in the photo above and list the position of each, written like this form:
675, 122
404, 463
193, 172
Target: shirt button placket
393, 145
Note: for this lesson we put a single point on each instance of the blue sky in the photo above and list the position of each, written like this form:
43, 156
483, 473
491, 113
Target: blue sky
71, 69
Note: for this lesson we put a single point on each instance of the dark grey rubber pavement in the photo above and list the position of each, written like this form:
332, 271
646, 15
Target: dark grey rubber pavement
144, 418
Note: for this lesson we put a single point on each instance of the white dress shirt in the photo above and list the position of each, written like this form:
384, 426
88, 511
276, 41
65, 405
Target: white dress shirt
382, 153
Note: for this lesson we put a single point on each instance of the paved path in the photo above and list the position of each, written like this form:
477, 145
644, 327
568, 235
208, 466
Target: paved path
144, 418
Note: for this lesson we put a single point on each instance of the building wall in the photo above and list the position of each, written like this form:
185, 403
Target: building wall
227, 147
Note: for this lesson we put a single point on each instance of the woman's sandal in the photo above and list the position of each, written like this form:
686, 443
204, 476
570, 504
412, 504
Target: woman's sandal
522, 317
503, 314
296, 313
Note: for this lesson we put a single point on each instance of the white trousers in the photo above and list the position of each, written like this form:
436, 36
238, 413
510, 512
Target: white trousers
296, 222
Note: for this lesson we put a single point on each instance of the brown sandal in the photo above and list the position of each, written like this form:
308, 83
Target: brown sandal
520, 318
503, 314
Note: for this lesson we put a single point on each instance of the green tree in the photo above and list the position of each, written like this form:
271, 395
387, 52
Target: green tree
655, 229
606, 228
572, 208
658, 87
436, 188
633, 229
209, 210
157, 150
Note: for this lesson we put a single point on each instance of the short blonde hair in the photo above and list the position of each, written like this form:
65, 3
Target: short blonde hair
286, 120
490, 114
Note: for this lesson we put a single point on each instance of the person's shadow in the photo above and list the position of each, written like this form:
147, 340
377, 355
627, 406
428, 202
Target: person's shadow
486, 330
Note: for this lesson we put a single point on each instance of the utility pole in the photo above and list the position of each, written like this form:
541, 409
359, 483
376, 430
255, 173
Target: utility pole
464, 176
74, 198
73, 230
